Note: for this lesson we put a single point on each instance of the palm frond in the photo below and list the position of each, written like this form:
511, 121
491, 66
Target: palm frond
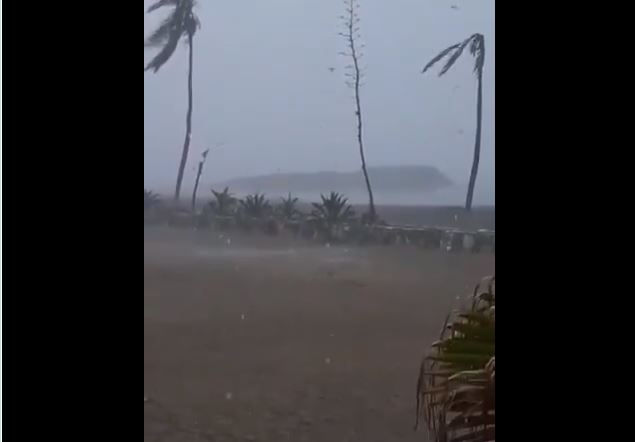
255, 206
161, 34
168, 34
476, 44
439, 56
181, 22
287, 208
161, 3
319, 210
163, 56
454, 57
456, 385
224, 202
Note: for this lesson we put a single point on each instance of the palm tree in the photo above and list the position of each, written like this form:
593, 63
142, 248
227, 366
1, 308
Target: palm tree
224, 203
333, 210
255, 206
477, 49
287, 208
181, 23
150, 199
456, 389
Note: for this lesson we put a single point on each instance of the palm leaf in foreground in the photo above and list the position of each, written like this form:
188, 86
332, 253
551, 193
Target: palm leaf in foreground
456, 385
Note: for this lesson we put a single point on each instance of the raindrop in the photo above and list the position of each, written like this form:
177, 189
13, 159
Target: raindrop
327, 360
242, 317
228, 396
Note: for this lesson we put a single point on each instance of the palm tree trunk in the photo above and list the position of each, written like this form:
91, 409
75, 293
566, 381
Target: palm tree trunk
363, 157
188, 121
198, 177
477, 143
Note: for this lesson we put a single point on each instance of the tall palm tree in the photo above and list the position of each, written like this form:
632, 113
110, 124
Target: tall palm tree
476, 43
181, 23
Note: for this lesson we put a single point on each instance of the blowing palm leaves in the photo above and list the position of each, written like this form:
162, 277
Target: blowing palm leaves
180, 24
476, 45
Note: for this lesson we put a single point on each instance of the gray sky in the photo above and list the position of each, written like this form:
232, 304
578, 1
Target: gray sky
262, 86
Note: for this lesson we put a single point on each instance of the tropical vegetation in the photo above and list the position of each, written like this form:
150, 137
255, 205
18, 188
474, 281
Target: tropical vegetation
287, 210
456, 389
224, 203
333, 211
255, 206
150, 199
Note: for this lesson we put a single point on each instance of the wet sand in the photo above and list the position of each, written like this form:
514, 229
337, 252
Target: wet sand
270, 339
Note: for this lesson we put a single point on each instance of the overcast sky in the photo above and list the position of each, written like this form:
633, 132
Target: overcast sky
263, 88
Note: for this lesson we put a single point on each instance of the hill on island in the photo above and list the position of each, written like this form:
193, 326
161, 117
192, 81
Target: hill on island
385, 181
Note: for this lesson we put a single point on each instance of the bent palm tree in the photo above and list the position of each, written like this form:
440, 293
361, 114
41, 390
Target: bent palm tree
477, 49
180, 23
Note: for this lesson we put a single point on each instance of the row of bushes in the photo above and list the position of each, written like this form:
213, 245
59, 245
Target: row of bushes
329, 217
332, 219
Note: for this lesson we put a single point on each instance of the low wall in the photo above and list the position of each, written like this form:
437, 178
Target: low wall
449, 239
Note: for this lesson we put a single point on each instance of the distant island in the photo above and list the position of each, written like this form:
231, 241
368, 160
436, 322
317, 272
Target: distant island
385, 180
